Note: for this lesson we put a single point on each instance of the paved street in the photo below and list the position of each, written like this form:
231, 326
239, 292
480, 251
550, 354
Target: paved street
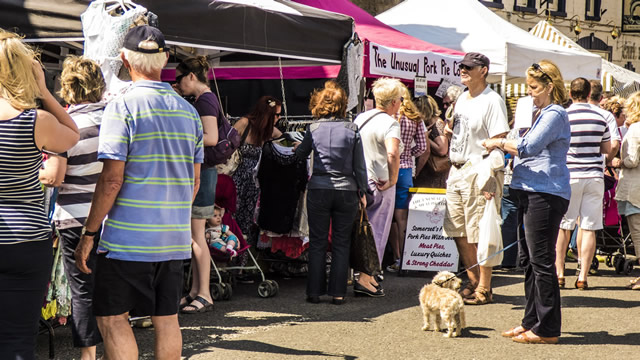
599, 323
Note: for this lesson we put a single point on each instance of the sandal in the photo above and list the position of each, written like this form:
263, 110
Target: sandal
632, 283
468, 291
206, 306
480, 297
561, 282
535, 339
187, 300
514, 331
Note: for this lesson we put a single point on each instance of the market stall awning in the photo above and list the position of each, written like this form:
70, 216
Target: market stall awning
264, 27
614, 78
468, 25
389, 52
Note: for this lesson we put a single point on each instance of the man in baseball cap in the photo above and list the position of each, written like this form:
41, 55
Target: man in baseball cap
150, 132
474, 59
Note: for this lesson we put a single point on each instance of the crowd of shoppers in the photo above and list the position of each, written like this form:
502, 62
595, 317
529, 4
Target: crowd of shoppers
134, 198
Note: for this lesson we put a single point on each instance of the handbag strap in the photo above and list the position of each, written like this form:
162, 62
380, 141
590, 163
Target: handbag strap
369, 119
245, 133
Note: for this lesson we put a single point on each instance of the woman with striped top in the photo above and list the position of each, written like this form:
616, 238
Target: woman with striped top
82, 86
25, 239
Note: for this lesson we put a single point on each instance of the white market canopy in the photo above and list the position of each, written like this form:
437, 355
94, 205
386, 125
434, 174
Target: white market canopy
469, 26
614, 78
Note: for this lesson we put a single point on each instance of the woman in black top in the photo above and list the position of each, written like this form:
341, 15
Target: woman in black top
339, 180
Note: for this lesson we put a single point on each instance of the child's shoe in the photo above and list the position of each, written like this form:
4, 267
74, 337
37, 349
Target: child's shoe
232, 253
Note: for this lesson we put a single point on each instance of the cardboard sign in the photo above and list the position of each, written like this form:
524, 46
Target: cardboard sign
444, 85
407, 64
419, 86
425, 247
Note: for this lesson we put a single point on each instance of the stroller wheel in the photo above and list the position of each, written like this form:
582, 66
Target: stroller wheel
618, 262
628, 266
216, 291
275, 287
608, 261
265, 289
227, 292
593, 270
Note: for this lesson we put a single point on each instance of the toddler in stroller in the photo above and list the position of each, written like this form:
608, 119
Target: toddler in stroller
219, 237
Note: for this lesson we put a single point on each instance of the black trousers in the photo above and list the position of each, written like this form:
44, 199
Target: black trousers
335, 208
25, 270
540, 214
84, 328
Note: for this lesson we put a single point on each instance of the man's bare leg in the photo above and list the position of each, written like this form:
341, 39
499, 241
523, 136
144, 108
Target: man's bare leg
168, 337
119, 341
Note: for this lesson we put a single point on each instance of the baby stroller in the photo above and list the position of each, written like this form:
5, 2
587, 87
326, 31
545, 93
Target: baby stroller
221, 286
614, 238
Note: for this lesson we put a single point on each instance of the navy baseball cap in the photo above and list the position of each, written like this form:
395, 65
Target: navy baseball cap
475, 59
138, 34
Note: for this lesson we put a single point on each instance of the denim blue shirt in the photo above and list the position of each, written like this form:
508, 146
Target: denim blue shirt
541, 165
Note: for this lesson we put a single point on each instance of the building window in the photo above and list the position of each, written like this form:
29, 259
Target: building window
525, 6
493, 3
556, 7
592, 10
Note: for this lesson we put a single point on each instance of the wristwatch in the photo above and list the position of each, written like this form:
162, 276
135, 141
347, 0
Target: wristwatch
85, 232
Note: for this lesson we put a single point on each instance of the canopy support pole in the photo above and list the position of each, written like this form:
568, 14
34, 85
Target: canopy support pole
503, 87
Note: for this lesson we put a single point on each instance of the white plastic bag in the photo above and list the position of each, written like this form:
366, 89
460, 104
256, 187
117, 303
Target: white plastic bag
490, 241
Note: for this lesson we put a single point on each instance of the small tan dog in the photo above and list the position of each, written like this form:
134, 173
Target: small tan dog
441, 298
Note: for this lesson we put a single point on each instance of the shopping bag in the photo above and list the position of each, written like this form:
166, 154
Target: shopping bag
363, 255
490, 236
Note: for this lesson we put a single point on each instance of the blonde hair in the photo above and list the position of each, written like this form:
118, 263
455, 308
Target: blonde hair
385, 90
428, 107
553, 76
18, 84
614, 105
408, 108
331, 101
81, 80
632, 108
145, 63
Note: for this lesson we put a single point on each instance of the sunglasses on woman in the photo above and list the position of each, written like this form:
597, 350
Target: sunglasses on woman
537, 67
179, 77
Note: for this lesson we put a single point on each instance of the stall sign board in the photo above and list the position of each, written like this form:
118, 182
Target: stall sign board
425, 247
419, 86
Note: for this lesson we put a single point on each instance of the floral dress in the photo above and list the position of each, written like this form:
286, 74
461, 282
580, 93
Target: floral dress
246, 186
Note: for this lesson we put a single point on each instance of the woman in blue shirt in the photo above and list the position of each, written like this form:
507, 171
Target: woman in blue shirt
540, 184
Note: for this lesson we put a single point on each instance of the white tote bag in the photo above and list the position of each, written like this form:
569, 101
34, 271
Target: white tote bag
490, 241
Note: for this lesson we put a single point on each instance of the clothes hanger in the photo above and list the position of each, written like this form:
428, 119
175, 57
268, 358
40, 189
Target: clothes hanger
122, 4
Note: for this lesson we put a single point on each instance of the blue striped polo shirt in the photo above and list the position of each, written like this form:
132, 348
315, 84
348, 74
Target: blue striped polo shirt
589, 129
159, 136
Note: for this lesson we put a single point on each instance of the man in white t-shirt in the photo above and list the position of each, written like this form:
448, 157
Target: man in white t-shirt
480, 114
382, 144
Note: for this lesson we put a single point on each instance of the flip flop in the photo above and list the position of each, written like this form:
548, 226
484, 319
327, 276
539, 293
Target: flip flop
206, 306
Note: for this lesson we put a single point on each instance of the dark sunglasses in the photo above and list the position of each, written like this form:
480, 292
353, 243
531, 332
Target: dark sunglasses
465, 67
537, 67
446, 104
179, 77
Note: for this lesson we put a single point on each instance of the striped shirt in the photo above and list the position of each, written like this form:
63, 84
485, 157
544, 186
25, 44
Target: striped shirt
159, 136
589, 129
22, 214
83, 168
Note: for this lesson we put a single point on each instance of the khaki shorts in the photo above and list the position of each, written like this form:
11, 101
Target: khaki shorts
465, 206
586, 204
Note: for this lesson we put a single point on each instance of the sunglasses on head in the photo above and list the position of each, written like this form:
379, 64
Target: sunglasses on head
179, 77
537, 67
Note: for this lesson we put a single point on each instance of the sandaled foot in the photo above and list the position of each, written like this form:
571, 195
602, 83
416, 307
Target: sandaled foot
514, 331
633, 283
561, 282
582, 285
193, 308
480, 297
185, 301
530, 338
468, 291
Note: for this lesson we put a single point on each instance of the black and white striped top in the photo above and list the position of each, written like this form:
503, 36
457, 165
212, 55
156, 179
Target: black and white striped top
589, 129
83, 168
22, 214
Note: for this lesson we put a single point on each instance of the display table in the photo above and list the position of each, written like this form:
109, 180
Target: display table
425, 248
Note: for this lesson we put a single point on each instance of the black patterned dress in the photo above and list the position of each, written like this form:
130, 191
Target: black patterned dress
246, 187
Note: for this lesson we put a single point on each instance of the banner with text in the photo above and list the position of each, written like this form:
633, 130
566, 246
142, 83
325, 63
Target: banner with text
425, 248
407, 64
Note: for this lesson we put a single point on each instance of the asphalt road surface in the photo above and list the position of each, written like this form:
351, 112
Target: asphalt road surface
600, 323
